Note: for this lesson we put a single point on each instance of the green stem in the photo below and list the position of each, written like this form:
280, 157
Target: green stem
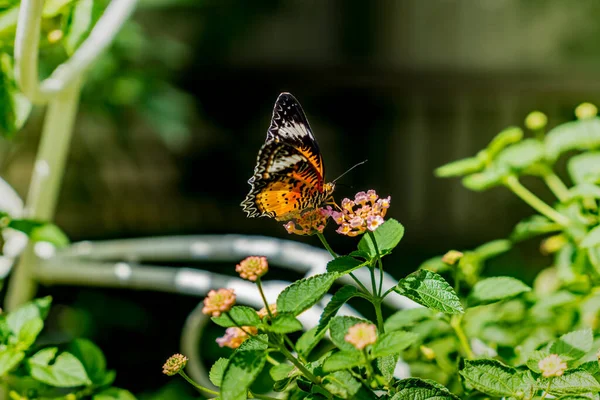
272, 360
194, 384
334, 255
379, 263
262, 294
378, 314
299, 365
557, 186
370, 372
390, 290
547, 389
456, 324
512, 182
373, 284
45, 185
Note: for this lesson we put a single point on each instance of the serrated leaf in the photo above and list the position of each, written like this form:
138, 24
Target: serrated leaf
496, 289
303, 294
344, 264
343, 360
387, 365
258, 342
430, 290
573, 382
533, 226
309, 339
338, 328
490, 377
10, 359
387, 237
281, 371
344, 385
421, 389
242, 369
217, 370
405, 318
573, 345
461, 167
576, 135
66, 371
285, 323
592, 238
391, 343
242, 315
78, 24
340, 297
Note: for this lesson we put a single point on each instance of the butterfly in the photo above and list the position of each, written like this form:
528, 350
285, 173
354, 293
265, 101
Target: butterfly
288, 177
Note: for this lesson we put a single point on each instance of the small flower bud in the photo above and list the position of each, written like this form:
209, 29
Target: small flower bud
55, 35
263, 311
586, 110
536, 120
218, 301
452, 257
552, 366
427, 352
252, 268
175, 364
361, 335
552, 244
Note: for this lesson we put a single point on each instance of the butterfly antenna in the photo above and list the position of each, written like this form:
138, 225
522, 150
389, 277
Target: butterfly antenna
350, 169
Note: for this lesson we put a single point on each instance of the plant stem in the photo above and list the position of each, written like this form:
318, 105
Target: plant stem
379, 315
334, 255
556, 185
45, 185
456, 324
299, 365
512, 182
370, 373
373, 284
272, 360
262, 294
194, 384
547, 388
379, 262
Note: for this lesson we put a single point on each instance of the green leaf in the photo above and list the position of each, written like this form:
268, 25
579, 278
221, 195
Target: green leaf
406, 318
344, 264
592, 238
242, 315
422, 389
242, 369
285, 323
461, 167
281, 371
584, 190
486, 179
91, 358
533, 226
576, 135
521, 156
309, 339
386, 366
44, 356
10, 359
504, 139
430, 290
217, 370
340, 297
114, 393
54, 7
387, 237
391, 343
303, 294
338, 328
490, 377
258, 342
33, 310
496, 289
14, 105
492, 249
66, 371
343, 360
573, 382
584, 168
344, 385
573, 345
50, 233
29, 332
535, 358
78, 24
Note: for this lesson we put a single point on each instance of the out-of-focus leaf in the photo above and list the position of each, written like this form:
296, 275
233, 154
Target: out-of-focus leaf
54, 7
585, 168
114, 393
503, 139
486, 179
78, 24
9, 359
493, 248
14, 106
533, 226
576, 135
66, 371
8, 21
495, 289
584, 190
461, 167
573, 345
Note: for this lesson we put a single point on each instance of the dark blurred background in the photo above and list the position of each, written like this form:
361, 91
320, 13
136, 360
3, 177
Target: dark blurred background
173, 116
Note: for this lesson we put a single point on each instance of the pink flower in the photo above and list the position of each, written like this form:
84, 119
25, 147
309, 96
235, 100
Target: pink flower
310, 222
218, 301
235, 336
361, 335
366, 211
252, 268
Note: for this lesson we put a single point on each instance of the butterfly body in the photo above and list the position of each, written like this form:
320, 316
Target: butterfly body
288, 177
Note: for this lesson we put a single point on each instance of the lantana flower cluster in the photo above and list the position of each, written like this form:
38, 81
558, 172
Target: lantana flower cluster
366, 211
235, 336
361, 335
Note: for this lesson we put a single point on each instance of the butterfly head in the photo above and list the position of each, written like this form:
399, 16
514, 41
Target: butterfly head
328, 189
